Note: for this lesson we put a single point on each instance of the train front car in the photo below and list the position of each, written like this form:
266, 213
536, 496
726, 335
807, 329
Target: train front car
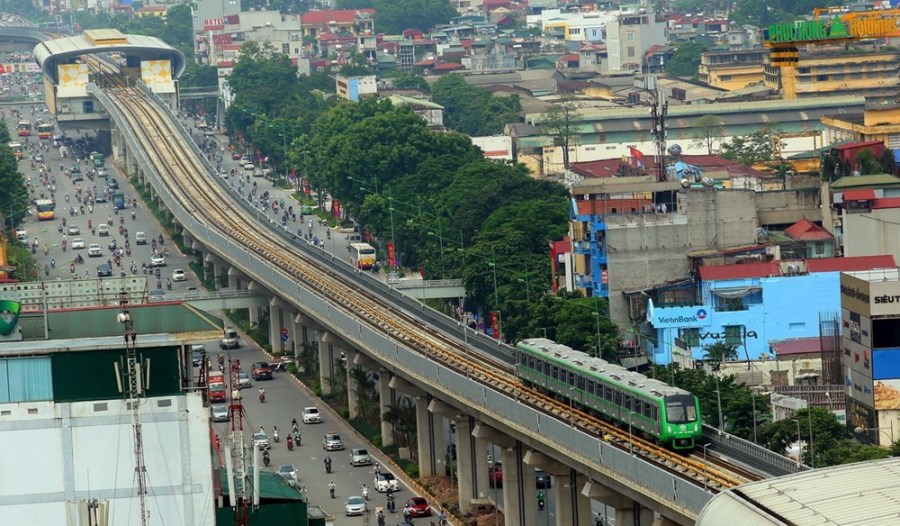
681, 425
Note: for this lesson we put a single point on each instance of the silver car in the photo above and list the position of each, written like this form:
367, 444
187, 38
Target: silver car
355, 506
260, 441
219, 413
360, 457
243, 380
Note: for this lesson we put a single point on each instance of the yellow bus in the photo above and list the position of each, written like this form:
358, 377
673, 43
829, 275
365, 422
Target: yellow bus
45, 209
362, 255
45, 130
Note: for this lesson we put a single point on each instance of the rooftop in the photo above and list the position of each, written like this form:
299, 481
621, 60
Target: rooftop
806, 230
853, 494
743, 270
852, 264
864, 181
797, 346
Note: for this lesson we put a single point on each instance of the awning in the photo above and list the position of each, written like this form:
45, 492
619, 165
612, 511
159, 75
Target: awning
735, 292
859, 195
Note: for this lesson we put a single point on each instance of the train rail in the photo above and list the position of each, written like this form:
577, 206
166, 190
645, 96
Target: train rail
194, 188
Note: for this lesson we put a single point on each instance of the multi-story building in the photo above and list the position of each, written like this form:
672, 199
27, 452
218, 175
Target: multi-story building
339, 22
221, 40
731, 70
835, 71
353, 88
878, 120
749, 306
628, 36
870, 317
576, 27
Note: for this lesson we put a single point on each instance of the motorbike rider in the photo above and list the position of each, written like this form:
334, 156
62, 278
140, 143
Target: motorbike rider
328, 464
266, 459
331, 488
262, 394
275, 434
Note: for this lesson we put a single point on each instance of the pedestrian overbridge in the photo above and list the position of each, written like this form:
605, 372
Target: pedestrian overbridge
219, 300
430, 289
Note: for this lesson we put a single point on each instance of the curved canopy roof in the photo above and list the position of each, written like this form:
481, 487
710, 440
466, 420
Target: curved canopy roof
50, 53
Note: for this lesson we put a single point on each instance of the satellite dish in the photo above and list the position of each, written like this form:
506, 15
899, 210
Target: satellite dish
708, 182
685, 183
793, 269
675, 149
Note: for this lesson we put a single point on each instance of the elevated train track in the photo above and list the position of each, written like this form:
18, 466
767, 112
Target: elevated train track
200, 193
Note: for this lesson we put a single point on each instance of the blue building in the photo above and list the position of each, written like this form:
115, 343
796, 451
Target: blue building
751, 305
589, 248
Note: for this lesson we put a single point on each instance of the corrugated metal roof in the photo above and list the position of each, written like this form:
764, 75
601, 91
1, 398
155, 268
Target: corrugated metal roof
865, 180
861, 494
798, 346
851, 264
167, 318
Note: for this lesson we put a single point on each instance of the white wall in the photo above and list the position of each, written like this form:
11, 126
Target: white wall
52, 454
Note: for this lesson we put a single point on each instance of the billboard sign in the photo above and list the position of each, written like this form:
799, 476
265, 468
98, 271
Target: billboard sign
677, 317
877, 298
856, 327
860, 415
887, 394
859, 387
886, 364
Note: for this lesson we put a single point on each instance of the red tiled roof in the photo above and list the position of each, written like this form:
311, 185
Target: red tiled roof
744, 270
448, 66
569, 58
859, 195
855, 145
805, 230
809, 345
887, 202
341, 16
850, 264
706, 162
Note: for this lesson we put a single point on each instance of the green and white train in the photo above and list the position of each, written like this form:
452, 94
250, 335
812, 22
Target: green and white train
666, 413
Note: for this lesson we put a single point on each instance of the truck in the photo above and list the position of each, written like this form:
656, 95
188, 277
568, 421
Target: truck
98, 159
118, 201
217, 390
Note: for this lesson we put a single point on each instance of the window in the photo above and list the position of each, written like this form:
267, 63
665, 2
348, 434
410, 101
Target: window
725, 78
572, 379
821, 78
691, 337
730, 304
820, 248
733, 334
630, 52
629, 36
286, 48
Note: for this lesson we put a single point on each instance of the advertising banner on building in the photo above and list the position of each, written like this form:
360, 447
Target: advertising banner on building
857, 358
887, 394
856, 327
859, 415
886, 364
390, 250
495, 324
677, 317
860, 387
877, 298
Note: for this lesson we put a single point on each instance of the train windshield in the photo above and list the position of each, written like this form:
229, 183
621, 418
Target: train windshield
680, 409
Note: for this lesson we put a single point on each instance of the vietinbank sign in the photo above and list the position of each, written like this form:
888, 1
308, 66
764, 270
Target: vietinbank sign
669, 317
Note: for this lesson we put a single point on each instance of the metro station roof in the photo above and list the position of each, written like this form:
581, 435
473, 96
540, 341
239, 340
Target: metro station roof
50, 53
860, 494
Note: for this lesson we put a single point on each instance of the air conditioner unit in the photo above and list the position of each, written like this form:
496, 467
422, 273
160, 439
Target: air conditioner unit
837, 222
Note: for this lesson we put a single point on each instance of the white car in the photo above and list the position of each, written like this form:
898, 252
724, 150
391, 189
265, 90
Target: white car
289, 472
243, 380
311, 415
179, 275
385, 481
94, 250
260, 440
77, 243
157, 261
73, 230
355, 506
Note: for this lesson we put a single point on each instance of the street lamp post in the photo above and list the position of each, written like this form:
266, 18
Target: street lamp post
527, 288
719, 405
630, 436
799, 446
884, 430
391, 210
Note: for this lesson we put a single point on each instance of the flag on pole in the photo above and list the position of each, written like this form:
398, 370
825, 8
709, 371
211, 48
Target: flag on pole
637, 154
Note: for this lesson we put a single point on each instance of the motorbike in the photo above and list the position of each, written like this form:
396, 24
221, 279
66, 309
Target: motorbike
266, 459
276, 437
391, 506
262, 398
297, 437
541, 502
327, 465
290, 444
331, 490
365, 493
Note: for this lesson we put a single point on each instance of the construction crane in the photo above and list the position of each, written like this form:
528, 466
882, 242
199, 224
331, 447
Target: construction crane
784, 39
240, 501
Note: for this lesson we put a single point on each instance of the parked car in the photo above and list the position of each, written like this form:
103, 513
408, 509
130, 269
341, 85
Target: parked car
332, 442
219, 413
311, 415
261, 371
385, 480
360, 457
419, 507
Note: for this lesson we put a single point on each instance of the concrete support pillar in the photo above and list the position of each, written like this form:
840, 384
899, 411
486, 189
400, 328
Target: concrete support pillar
664, 521
519, 493
330, 347
386, 398
628, 511
572, 506
234, 278
253, 312
352, 384
471, 455
296, 330
430, 437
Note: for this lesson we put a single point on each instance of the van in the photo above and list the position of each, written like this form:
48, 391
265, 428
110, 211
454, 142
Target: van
230, 341
140, 238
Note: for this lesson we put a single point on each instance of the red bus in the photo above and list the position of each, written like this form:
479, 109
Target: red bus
24, 128
217, 389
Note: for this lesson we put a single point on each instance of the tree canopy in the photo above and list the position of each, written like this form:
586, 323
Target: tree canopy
754, 148
392, 17
686, 61
473, 110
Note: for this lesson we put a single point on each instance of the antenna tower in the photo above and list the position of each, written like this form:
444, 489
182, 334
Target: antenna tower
241, 511
135, 390
659, 108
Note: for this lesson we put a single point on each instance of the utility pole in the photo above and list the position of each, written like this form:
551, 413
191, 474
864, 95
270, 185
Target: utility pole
134, 376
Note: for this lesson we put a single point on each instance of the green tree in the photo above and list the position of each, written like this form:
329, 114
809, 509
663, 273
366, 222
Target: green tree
395, 16
720, 352
473, 110
867, 164
403, 80
707, 130
816, 425
559, 121
750, 149
686, 61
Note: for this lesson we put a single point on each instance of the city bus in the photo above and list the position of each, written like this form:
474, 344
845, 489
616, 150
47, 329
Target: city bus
45, 130
45, 209
16, 149
24, 128
362, 255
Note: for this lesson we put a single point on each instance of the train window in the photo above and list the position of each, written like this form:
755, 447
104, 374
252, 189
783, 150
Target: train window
540, 366
580, 381
523, 358
654, 412
590, 387
646, 409
680, 409
554, 372
627, 404
571, 378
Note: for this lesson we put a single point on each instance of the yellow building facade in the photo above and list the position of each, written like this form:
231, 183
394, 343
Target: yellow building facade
836, 72
733, 70
879, 121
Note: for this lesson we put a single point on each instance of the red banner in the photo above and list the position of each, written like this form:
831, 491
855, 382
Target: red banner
336, 208
390, 251
213, 24
306, 189
495, 324
367, 235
